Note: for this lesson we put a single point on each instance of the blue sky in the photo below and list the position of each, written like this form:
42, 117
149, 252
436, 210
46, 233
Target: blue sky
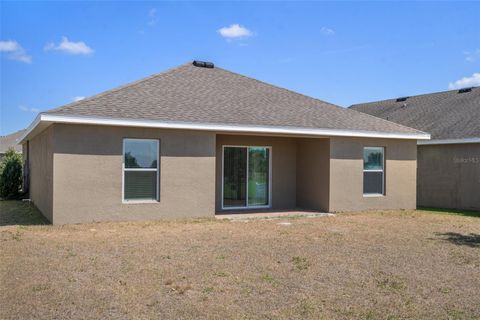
341, 52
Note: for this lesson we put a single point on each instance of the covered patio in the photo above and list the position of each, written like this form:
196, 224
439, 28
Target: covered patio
258, 174
261, 174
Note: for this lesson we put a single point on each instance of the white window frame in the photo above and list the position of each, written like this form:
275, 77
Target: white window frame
156, 200
246, 207
374, 170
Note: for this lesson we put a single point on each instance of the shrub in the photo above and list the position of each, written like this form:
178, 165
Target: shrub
10, 174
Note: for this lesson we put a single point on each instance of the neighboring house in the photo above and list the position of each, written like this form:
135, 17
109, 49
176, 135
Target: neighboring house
198, 140
10, 141
449, 164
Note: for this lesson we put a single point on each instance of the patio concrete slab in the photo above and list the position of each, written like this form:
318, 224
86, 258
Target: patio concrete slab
239, 215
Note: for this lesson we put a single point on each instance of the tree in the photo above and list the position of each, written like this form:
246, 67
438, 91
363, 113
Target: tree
10, 174
131, 161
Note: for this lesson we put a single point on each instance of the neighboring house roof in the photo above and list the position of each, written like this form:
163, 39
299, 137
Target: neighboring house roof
191, 97
11, 141
449, 115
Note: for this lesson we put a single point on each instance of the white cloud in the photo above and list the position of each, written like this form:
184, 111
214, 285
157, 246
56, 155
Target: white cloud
76, 99
8, 46
14, 51
235, 31
472, 56
327, 31
152, 17
27, 109
71, 47
466, 82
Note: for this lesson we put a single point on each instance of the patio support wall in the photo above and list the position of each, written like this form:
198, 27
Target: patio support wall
313, 167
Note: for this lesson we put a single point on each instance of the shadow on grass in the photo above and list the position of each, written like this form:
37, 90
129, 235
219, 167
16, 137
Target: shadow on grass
470, 240
14, 212
465, 213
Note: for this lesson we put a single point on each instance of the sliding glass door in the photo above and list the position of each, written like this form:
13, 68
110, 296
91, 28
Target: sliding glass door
258, 176
246, 177
234, 177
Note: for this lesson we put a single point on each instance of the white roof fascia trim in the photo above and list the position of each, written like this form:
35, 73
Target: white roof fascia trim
32, 126
219, 127
450, 141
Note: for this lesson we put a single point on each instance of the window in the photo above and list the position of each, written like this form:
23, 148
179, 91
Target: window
373, 171
246, 177
140, 170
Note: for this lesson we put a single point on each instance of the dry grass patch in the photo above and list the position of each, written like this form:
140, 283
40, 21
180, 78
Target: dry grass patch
379, 265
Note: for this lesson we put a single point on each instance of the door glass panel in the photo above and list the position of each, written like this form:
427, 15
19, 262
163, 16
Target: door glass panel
258, 170
234, 177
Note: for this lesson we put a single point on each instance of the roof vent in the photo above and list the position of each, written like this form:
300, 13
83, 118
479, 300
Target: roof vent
203, 64
464, 90
402, 99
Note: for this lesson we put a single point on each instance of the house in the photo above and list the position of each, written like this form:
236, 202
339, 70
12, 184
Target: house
198, 140
448, 164
10, 141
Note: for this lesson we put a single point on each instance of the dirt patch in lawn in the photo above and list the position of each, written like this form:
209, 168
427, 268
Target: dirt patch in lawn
381, 265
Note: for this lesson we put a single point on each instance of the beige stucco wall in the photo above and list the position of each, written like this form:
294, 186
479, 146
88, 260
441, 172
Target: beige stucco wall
76, 173
346, 174
283, 167
313, 165
449, 176
40, 164
88, 174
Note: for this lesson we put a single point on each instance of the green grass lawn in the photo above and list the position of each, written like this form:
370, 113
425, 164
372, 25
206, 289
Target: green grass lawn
24, 213
465, 213
20, 213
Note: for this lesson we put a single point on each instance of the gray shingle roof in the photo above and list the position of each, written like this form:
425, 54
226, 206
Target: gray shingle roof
10, 141
216, 96
445, 115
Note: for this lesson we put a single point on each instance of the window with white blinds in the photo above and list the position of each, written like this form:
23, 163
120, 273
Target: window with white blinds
140, 170
373, 171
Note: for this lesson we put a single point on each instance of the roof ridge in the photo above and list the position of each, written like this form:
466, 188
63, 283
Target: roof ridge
414, 96
127, 85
